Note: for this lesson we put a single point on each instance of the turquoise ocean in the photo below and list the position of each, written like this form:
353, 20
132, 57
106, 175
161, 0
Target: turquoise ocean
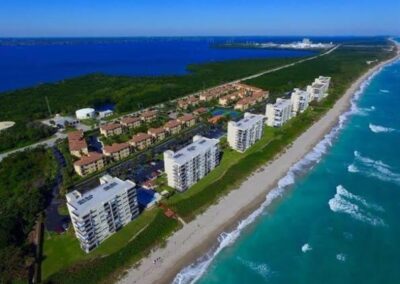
335, 217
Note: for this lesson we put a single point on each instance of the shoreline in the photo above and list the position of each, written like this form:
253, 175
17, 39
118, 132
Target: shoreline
199, 236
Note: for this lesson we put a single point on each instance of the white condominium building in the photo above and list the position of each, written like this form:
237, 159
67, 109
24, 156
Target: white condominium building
188, 165
299, 100
98, 213
319, 88
244, 133
278, 113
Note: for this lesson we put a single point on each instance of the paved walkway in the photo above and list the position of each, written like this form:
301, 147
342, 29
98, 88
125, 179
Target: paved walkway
48, 143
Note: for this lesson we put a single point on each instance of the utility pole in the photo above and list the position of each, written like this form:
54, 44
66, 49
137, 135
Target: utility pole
48, 105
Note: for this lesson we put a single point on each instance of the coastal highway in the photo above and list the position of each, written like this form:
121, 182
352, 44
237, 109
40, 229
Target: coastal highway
51, 141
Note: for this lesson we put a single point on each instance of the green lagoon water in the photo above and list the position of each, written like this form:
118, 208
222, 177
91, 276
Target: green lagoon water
335, 218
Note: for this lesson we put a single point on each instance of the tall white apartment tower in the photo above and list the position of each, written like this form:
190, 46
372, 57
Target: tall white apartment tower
98, 213
278, 113
299, 100
191, 163
245, 132
319, 88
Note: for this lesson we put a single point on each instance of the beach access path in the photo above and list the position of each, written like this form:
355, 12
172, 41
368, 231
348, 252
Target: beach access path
51, 141
200, 235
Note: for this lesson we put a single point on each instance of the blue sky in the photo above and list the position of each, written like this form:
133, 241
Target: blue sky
198, 17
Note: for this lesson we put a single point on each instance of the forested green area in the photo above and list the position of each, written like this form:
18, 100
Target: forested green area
127, 93
25, 182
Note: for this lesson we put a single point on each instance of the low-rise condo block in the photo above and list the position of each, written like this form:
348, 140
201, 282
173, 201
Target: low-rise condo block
245, 132
91, 163
141, 141
111, 129
77, 143
191, 163
279, 113
131, 122
98, 213
117, 151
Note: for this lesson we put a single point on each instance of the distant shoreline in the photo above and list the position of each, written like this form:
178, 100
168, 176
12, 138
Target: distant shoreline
199, 236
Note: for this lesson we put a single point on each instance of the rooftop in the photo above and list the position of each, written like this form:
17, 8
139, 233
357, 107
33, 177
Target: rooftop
110, 126
90, 158
129, 119
200, 145
116, 147
156, 130
82, 202
185, 117
248, 120
172, 123
140, 137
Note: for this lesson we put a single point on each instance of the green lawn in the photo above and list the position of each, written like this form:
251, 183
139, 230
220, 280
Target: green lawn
120, 251
62, 250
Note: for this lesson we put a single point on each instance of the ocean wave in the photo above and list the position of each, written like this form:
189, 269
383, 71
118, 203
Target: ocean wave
193, 272
341, 203
384, 91
376, 169
352, 168
306, 247
343, 192
261, 269
378, 128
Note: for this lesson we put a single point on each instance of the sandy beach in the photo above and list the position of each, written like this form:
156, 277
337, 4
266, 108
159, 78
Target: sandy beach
198, 236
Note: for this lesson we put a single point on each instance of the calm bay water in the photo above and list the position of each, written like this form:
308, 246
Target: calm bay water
29, 62
338, 220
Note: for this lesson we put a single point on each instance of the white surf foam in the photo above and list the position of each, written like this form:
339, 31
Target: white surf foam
306, 247
379, 128
193, 272
376, 169
261, 269
341, 203
343, 192
341, 257
352, 168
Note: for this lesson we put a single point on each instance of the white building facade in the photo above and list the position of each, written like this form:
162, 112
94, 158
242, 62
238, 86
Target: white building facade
299, 100
318, 90
245, 132
190, 164
279, 113
98, 213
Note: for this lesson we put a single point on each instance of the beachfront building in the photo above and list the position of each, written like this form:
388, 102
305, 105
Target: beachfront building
190, 164
299, 100
141, 141
131, 122
117, 151
158, 134
319, 88
111, 129
91, 163
279, 113
98, 213
245, 132
77, 144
